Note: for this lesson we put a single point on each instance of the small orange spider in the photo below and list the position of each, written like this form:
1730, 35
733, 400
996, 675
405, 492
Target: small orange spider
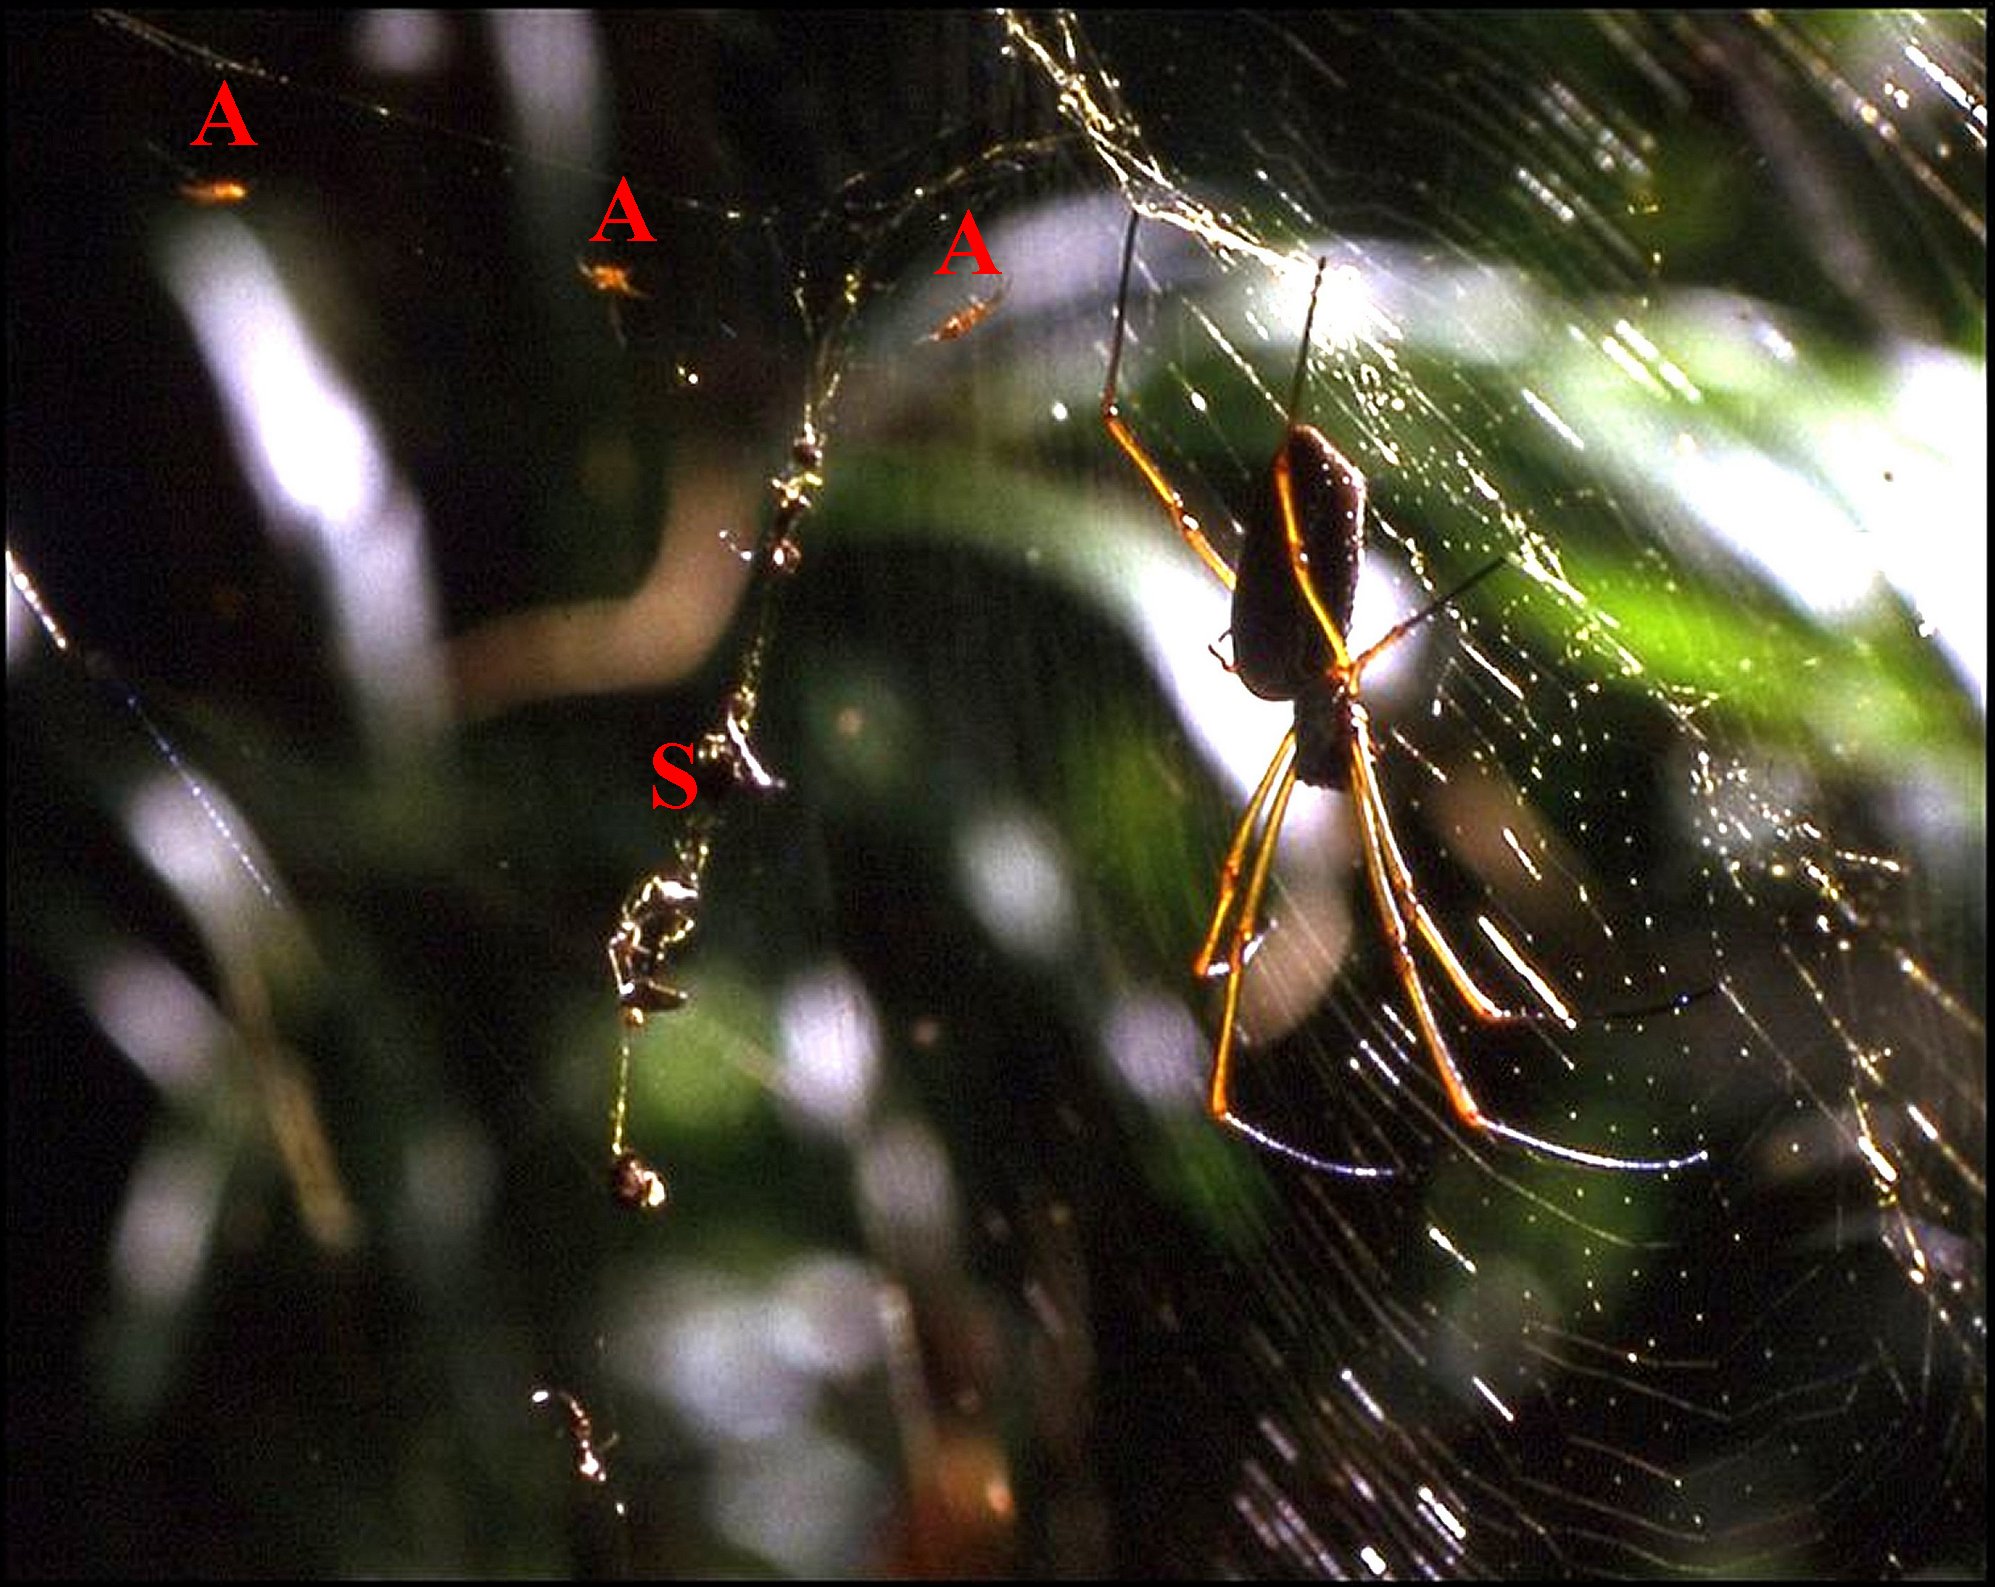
970, 316
610, 279
214, 194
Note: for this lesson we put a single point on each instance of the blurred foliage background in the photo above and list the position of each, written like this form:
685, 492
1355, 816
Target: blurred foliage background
319, 824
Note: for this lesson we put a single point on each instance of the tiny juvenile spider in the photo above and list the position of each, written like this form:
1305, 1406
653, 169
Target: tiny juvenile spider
612, 280
215, 194
1293, 587
972, 314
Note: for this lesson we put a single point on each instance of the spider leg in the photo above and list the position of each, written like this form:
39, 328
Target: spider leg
1244, 920
1281, 778
1399, 875
1374, 830
1386, 870
1478, 1002
1124, 437
1229, 873
1341, 667
1484, 1007
1406, 625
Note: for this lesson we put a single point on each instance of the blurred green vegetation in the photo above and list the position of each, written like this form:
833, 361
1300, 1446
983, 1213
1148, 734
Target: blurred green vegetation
1009, 1316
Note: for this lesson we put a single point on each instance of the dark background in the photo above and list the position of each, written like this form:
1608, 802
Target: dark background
1127, 1358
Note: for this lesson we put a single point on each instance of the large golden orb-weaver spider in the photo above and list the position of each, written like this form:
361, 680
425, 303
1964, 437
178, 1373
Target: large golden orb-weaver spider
1294, 586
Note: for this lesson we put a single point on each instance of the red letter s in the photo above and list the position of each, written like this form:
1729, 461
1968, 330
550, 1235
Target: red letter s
672, 774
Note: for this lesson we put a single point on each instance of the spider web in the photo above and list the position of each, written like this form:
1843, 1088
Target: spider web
330, 738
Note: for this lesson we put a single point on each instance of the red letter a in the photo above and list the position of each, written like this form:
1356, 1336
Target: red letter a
639, 232
225, 104
973, 249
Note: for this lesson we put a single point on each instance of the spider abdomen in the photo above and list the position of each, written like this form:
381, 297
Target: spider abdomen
1279, 647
